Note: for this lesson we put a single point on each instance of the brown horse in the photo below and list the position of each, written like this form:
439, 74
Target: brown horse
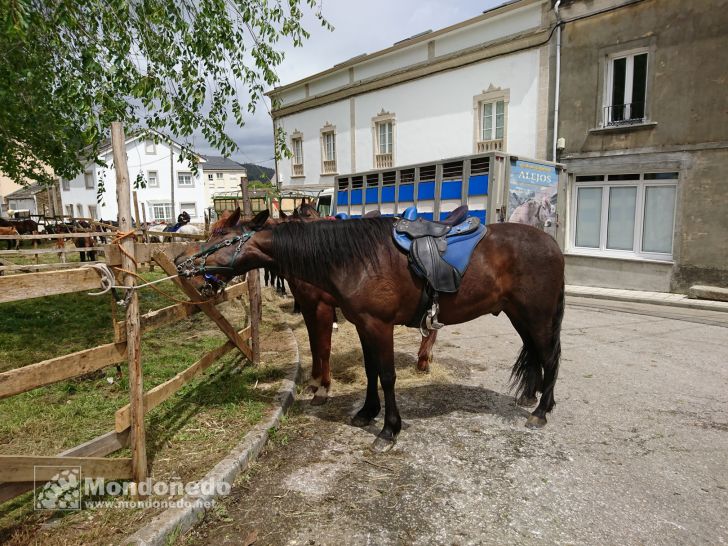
515, 269
319, 314
9, 230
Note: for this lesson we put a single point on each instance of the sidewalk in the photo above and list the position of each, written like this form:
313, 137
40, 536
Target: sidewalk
640, 296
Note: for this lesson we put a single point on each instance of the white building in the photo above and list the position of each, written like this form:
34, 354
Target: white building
171, 186
222, 176
477, 86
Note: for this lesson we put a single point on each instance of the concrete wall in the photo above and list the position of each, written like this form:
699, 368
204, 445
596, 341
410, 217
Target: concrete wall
686, 129
615, 273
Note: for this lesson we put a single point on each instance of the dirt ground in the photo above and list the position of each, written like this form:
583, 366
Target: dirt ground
635, 452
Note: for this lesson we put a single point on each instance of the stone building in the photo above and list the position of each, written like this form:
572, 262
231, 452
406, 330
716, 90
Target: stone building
643, 127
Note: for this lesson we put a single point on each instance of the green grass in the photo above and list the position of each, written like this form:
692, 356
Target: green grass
186, 435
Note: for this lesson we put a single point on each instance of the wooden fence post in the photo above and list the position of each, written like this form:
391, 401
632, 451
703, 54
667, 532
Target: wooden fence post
256, 304
133, 330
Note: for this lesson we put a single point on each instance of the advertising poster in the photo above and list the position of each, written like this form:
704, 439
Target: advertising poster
532, 193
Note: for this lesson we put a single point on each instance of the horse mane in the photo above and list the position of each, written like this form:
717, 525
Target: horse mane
311, 251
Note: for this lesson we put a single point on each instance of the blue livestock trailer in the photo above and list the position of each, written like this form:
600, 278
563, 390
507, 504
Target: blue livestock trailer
493, 185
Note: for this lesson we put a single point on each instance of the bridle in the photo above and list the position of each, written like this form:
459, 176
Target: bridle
189, 269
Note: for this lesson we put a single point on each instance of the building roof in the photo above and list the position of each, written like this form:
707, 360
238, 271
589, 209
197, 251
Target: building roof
506, 6
26, 192
216, 162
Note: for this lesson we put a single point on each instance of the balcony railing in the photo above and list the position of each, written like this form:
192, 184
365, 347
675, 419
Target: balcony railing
329, 167
298, 169
383, 161
490, 145
624, 114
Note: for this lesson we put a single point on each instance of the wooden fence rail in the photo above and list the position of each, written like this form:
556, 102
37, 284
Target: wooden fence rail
19, 473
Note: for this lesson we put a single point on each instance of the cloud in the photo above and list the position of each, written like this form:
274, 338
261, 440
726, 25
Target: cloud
359, 27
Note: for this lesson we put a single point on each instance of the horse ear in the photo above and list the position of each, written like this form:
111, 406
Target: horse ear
282, 214
233, 219
260, 219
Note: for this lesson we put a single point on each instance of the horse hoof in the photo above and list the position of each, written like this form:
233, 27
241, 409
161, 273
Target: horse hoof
524, 400
423, 366
335, 326
535, 422
318, 400
382, 445
361, 421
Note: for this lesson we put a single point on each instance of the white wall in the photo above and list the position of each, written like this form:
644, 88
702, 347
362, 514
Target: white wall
139, 162
434, 118
471, 35
310, 123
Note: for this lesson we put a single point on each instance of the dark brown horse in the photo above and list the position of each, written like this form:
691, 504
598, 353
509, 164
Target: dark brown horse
515, 269
319, 313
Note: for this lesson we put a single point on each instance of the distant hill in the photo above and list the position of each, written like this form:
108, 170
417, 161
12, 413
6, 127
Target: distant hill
256, 172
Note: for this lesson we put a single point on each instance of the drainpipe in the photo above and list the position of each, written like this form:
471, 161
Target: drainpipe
558, 78
171, 177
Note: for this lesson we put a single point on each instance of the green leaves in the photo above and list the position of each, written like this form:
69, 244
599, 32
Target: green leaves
70, 67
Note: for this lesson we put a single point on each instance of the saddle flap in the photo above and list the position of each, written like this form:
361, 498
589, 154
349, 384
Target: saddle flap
427, 257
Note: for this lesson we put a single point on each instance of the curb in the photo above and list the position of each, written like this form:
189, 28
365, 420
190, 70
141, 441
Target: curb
682, 303
174, 522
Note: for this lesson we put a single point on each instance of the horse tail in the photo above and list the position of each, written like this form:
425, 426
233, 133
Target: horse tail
555, 356
527, 375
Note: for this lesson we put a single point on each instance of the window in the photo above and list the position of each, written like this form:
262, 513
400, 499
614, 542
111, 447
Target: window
491, 119
328, 150
383, 136
88, 179
152, 179
150, 147
161, 212
209, 177
189, 208
629, 215
219, 176
626, 88
297, 149
69, 210
185, 180
79, 210
92, 212
66, 184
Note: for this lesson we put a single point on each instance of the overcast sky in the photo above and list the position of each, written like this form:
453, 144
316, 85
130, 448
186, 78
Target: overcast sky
359, 27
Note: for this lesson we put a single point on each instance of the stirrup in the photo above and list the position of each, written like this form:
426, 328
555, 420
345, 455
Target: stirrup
430, 320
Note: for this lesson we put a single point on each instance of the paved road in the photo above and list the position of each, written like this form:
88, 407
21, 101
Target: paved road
635, 452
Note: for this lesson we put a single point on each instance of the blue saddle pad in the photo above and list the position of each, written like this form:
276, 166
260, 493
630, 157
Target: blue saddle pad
460, 246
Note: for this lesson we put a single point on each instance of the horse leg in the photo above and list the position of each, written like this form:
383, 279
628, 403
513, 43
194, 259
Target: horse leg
335, 325
324, 320
424, 356
312, 327
549, 346
372, 405
378, 345
266, 275
537, 365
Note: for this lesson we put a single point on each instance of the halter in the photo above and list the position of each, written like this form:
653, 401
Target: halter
189, 269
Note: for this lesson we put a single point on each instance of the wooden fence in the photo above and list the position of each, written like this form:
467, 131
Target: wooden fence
17, 472
6, 256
